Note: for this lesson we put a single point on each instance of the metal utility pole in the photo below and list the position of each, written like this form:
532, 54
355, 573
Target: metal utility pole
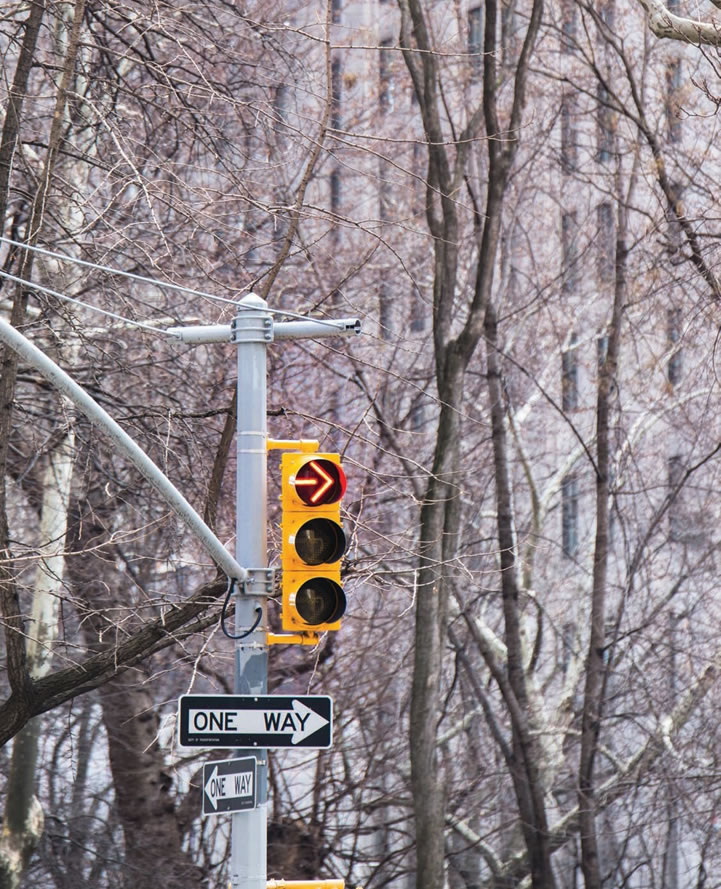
252, 332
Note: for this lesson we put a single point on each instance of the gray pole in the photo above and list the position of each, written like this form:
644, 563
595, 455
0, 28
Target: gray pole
252, 332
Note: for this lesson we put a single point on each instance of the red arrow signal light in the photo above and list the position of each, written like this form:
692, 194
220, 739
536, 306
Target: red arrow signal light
320, 482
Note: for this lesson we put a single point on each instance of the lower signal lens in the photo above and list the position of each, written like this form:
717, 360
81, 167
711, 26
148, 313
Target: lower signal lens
320, 541
320, 601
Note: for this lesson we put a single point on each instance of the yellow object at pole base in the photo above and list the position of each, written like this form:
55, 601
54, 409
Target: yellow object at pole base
293, 639
305, 884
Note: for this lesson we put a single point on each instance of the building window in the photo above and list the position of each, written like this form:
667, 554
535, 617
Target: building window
475, 40
335, 94
673, 85
418, 192
569, 376
569, 251
385, 191
280, 102
673, 338
385, 321
675, 231
611, 505
601, 351
569, 133
335, 191
335, 10
568, 644
609, 640
607, 12
510, 26
417, 416
511, 256
280, 108
569, 516
604, 125
569, 15
675, 476
687, 519
386, 92
418, 311
606, 241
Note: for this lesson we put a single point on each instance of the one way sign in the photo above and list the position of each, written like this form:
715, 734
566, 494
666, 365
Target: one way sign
229, 786
246, 721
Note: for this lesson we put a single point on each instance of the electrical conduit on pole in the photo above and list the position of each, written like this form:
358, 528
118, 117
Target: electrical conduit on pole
252, 333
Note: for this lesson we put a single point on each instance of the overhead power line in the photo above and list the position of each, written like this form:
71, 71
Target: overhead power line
63, 257
64, 296
155, 282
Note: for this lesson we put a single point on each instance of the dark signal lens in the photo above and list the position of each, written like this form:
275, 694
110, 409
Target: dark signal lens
320, 541
320, 482
320, 601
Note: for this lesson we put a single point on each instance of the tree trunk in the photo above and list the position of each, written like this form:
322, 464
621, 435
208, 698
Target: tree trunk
438, 531
596, 658
23, 817
527, 755
440, 514
154, 855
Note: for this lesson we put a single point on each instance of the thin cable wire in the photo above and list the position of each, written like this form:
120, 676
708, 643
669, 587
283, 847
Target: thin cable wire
104, 268
85, 305
144, 280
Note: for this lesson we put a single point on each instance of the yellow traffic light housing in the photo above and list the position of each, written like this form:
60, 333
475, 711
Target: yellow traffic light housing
312, 486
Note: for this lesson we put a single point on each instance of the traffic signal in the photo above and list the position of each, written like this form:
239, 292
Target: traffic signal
313, 541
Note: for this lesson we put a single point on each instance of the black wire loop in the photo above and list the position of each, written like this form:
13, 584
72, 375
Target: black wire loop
258, 612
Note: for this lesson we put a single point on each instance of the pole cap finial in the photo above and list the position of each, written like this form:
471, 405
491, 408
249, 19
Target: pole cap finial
252, 300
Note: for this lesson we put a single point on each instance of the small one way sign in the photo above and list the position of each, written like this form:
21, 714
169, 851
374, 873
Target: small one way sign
229, 786
247, 721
